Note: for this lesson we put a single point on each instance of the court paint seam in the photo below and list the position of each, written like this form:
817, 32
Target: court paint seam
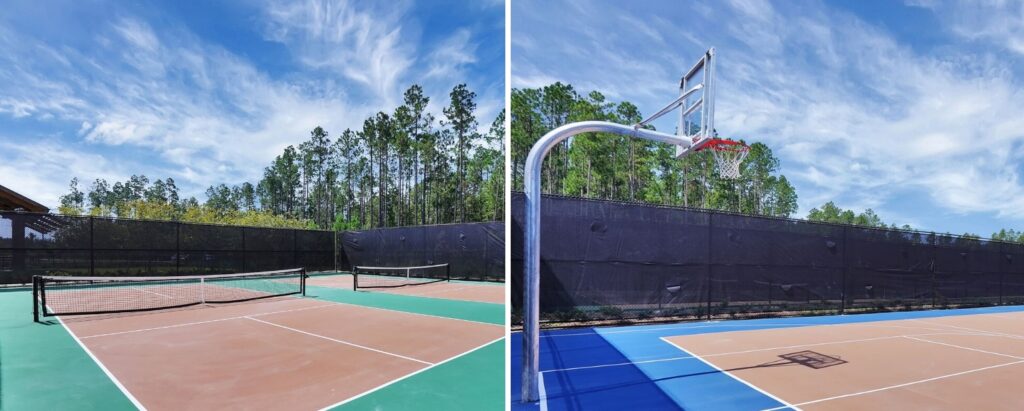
117, 382
965, 348
744, 382
401, 378
906, 384
204, 322
341, 341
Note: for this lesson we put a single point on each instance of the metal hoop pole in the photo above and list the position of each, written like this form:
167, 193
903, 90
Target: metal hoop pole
531, 247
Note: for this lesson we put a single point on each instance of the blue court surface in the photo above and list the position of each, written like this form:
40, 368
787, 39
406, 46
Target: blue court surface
618, 368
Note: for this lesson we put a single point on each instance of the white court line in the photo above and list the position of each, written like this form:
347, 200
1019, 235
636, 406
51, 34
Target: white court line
206, 322
542, 395
688, 326
109, 374
340, 341
973, 329
902, 385
749, 351
156, 293
379, 387
964, 348
780, 400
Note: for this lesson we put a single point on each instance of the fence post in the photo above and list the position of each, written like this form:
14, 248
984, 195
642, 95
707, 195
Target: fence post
245, 254
92, 246
935, 247
295, 247
846, 268
708, 264
177, 248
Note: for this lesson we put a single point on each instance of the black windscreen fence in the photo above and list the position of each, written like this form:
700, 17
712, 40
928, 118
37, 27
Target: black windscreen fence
474, 251
612, 260
47, 244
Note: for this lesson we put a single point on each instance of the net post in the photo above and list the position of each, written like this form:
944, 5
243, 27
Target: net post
35, 298
202, 290
42, 296
355, 278
448, 272
302, 281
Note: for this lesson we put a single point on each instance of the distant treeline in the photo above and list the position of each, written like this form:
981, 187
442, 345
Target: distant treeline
399, 168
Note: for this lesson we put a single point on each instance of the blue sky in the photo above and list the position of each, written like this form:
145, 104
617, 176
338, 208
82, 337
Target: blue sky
913, 109
209, 92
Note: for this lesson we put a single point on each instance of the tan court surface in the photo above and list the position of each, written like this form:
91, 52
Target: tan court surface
945, 363
285, 353
484, 292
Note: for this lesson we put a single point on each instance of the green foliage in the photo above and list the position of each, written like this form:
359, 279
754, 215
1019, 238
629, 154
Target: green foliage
397, 169
1009, 235
831, 213
598, 165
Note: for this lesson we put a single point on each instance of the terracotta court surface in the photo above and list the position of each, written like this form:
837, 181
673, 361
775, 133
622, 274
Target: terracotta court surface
961, 359
283, 353
484, 292
945, 363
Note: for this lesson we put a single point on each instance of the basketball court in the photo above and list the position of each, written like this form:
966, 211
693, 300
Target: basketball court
937, 360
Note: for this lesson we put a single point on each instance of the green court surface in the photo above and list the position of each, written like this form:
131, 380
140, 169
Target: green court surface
43, 367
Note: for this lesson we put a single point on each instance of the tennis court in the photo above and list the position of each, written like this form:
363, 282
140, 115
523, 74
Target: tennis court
270, 348
937, 360
476, 291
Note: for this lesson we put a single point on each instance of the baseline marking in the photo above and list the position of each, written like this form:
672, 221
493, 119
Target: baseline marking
340, 341
379, 387
902, 385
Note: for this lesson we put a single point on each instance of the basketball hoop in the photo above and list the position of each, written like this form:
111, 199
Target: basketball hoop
728, 156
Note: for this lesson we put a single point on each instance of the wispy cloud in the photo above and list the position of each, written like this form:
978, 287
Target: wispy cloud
364, 44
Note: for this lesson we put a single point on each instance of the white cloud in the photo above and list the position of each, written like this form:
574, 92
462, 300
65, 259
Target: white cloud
452, 55
366, 45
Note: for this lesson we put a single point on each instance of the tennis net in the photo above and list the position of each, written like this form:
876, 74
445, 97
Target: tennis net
70, 295
390, 277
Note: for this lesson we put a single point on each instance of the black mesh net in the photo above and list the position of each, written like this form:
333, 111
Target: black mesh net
474, 251
612, 260
392, 277
46, 244
70, 295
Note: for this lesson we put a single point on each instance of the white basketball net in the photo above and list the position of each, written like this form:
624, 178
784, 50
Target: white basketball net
728, 156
